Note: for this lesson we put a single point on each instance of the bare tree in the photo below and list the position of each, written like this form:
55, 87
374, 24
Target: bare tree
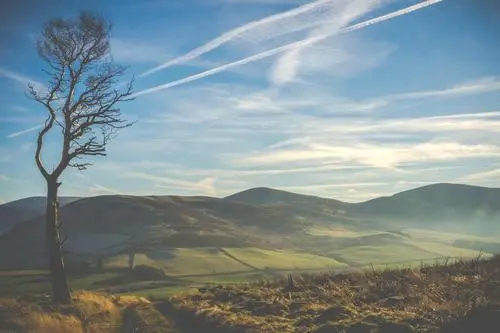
81, 100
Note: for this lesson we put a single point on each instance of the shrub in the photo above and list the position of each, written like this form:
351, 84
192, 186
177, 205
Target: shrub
146, 272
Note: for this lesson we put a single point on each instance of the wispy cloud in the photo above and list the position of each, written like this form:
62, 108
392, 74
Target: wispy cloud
204, 186
287, 66
19, 108
319, 144
284, 48
342, 57
28, 119
26, 146
265, 2
97, 189
388, 156
486, 122
4, 178
308, 13
492, 174
22, 79
290, 112
472, 87
137, 51
23, 132
323, 146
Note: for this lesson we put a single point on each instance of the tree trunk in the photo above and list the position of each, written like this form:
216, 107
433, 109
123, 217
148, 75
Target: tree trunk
58, 278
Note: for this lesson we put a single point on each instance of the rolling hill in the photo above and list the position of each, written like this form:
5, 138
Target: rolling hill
452, 207
439, 206
268, 196
263, 218
111, 225
25, 209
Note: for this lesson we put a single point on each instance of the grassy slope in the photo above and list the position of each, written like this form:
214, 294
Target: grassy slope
34, 282
372, 254
283, 259
206, 261
185, 261
193, 267
406, 300
90, 313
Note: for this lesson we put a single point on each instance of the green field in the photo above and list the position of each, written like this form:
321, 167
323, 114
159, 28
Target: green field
281, 259
26, 282
188, 268
445, 250
212, 261
366, 255
183, 261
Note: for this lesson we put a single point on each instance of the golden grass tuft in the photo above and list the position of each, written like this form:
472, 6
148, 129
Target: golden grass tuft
90, 313
52, 323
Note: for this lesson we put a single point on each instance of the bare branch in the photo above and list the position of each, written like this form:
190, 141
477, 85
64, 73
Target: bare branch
82, 98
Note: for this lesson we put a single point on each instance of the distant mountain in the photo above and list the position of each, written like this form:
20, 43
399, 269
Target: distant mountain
259, 217
439, 204
269, 196
112, 224
25, 209
305, 205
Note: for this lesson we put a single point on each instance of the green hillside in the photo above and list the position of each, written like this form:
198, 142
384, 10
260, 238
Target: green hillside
255, 234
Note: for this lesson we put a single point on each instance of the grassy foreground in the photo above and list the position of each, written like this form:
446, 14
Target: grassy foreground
426, 299
90, 312
454, 297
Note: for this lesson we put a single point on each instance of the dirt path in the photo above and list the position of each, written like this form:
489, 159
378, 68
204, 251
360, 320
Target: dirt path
184, 323
146, 318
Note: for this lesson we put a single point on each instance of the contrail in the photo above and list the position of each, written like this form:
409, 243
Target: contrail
300, 43
391, 15
230, 35
25, 131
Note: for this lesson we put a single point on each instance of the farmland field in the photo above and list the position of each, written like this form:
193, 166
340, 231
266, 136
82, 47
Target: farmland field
188, 268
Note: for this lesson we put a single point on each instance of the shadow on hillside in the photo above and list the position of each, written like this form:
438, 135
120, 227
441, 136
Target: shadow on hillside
485, 319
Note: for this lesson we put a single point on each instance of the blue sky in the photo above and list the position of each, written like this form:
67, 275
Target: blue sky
346, 113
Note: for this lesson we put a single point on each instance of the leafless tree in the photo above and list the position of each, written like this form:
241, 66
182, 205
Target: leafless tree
81, 100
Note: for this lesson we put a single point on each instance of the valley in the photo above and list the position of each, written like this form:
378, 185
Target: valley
254, 235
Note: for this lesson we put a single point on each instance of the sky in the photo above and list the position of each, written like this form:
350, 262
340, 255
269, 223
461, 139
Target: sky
333, 98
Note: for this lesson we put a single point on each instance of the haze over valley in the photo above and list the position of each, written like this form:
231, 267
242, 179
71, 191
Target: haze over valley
283, 230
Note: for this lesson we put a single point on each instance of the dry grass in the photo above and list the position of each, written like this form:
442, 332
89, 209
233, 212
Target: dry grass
404, 300
89, 313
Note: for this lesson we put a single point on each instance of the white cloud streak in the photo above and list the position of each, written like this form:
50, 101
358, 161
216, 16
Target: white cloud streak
287, 47
97, 189
4, 178
205, 186
23, 132
265, 2
286, 68
311, 8
386, 157
483, 85
483, 176
486, 122
22, 79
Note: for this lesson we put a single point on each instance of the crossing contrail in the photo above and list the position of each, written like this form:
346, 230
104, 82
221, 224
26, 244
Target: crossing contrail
238, 32
300, 43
